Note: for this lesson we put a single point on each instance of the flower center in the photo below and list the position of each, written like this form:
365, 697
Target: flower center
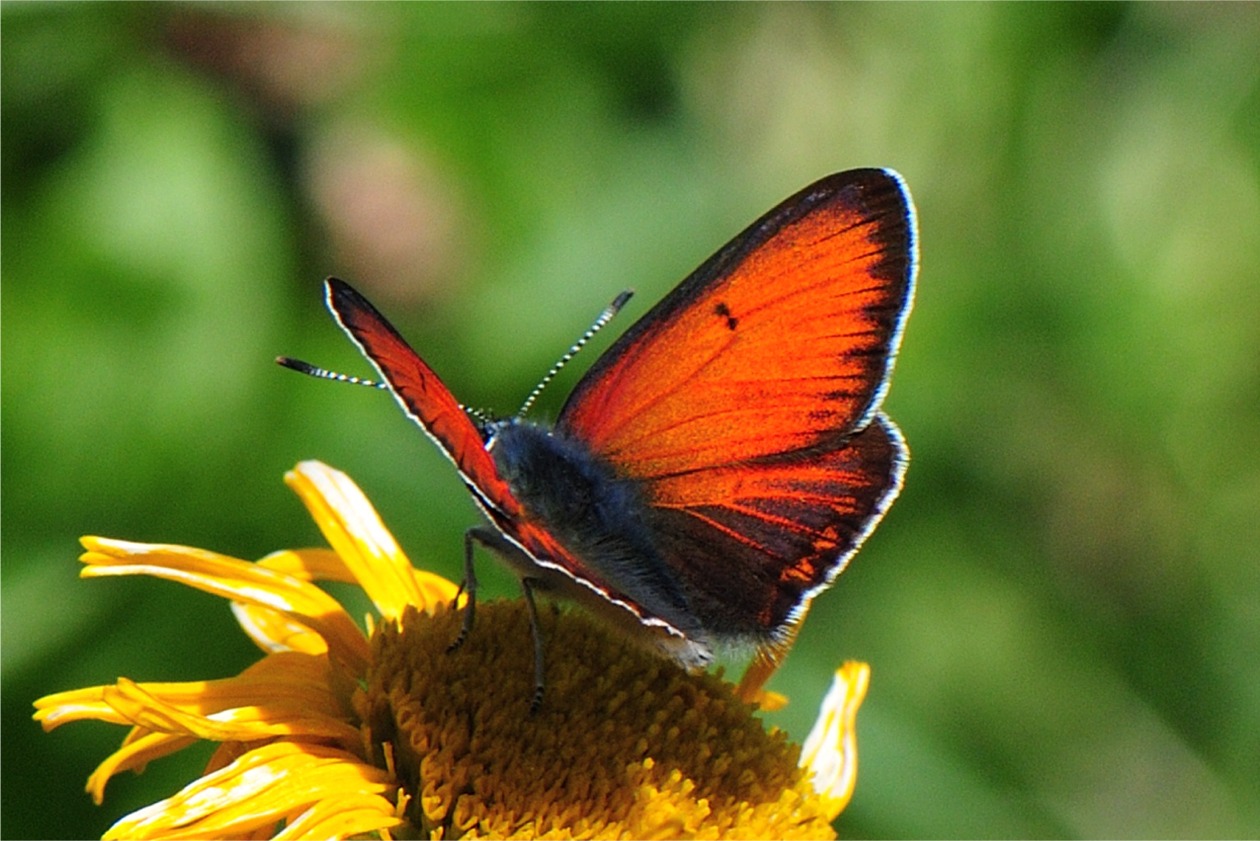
624, 742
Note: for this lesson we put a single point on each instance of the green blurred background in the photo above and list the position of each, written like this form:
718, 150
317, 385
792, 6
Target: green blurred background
1062, 611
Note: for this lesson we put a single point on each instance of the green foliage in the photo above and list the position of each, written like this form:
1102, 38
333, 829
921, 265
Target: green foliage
1062, 612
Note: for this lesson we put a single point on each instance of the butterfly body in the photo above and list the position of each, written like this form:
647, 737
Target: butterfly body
601, 522
719, 465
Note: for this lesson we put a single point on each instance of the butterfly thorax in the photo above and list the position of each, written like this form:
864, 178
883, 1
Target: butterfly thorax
595, 514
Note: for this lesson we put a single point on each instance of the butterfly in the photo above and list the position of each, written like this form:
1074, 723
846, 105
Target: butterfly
717, 467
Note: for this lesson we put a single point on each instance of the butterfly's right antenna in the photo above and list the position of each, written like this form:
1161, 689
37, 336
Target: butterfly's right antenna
604, 317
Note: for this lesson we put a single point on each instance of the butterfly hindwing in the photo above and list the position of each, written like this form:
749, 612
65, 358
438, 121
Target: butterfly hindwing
761, 539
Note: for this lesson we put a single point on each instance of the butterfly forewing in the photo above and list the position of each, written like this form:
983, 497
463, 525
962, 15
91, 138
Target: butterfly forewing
781, 340
423, 396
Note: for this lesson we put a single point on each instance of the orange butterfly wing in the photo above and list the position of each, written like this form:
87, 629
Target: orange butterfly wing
783, 337
756, 541
423, 397
745, 404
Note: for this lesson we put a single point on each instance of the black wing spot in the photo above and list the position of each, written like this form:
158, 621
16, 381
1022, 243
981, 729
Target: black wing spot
723, 311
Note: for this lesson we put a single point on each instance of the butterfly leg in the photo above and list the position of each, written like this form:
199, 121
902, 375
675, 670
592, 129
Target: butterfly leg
497, 543
469, 585
527, 587
493, 541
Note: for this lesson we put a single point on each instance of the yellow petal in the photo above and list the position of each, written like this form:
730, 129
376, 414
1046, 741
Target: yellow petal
268, 717
60, 708
310, 565
342, 817
327, 565
289, 678
237, 580
830, 750
137, 751
284, 694
274, 632
354, 530
263, 787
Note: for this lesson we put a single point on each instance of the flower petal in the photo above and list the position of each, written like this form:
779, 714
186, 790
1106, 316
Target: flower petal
88, 703
269, 717
286, 694
310, 565
298, 680
262, 788
274, 632
830, 750
342, 817
355, 531
138, 750
239, 581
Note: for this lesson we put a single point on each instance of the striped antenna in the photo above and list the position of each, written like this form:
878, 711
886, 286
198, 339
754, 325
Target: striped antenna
604, 317
481, 416
324, 374
310, 370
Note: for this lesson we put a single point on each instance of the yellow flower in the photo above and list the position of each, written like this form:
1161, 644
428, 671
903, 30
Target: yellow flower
338, 733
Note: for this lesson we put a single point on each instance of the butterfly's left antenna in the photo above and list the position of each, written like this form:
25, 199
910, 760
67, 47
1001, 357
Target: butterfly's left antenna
324, 374
604, 317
